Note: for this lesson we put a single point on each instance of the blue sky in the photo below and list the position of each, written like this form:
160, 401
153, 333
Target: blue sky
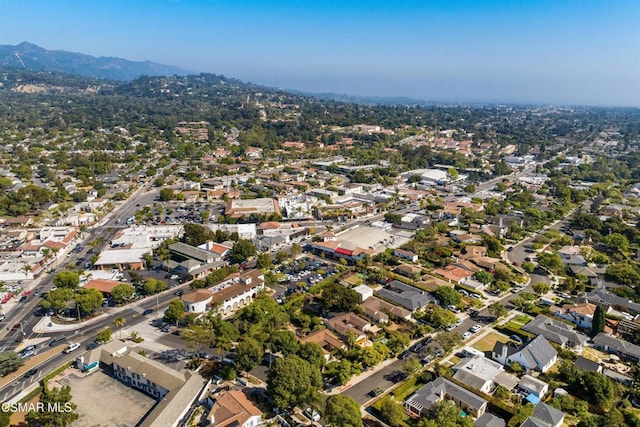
538, 51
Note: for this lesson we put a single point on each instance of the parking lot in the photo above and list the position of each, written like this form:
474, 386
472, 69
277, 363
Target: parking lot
89, 391
299, 276
161, 213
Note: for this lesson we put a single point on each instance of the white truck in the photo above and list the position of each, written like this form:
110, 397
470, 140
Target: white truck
72, 347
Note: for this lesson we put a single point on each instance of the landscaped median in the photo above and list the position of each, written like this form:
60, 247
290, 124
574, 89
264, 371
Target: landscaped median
33, 362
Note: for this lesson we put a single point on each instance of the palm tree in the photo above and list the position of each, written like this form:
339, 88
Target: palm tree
46, 253
119, 322
27, 269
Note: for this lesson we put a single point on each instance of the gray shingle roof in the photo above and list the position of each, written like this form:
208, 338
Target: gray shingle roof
586, 364
432, 392
530, 383
407, 296
602, 296
621, 346
548, 414
489, 420
539, 352
555, 331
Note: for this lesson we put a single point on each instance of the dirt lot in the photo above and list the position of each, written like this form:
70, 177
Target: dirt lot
104, 401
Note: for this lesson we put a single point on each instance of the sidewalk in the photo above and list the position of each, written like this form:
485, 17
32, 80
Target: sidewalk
46, 326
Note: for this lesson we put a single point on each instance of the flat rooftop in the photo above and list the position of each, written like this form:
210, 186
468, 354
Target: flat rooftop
366, 237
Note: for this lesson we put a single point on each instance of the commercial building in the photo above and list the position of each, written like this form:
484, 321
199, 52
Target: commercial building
130, 244
175, 391
238, 208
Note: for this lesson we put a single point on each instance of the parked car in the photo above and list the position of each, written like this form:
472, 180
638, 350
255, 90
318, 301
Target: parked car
404, 355
475, 328
92, 345
376, 392
466, 335
147, 312
516, 338
416, 348
450, 327
312, 414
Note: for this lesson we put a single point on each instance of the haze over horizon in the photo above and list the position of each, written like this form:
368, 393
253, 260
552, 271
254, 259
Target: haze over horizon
548, 52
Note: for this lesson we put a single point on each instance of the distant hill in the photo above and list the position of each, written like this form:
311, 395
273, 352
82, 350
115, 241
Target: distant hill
32, 57
366, 100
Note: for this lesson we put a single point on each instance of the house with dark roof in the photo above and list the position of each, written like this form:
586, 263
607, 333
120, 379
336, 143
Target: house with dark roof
406, 296
605, 299
587, 365
489, 420
616, 346
537, 355
420, 403
556, 332
544, 416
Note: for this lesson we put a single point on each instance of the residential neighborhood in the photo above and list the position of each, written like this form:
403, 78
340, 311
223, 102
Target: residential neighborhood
412, 271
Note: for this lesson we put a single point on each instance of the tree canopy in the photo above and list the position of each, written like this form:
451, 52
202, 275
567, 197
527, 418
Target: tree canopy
293, 381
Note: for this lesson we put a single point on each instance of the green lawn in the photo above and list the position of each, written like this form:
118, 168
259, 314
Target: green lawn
519, 321
353, 279
406, 389
489, 341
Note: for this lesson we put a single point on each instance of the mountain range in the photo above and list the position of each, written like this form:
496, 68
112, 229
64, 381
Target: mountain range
30, 57
33, 57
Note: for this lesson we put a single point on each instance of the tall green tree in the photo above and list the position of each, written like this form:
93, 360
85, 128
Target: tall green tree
263, 261
9, 362
497, 310
122, 293
175, 311
446, 413
54, 398
241, 251
57, 300
119, 322
199, 336
88, 300
293, 381
447, 295
597, 325
341, 410
67, 279
392, 411
249, 353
